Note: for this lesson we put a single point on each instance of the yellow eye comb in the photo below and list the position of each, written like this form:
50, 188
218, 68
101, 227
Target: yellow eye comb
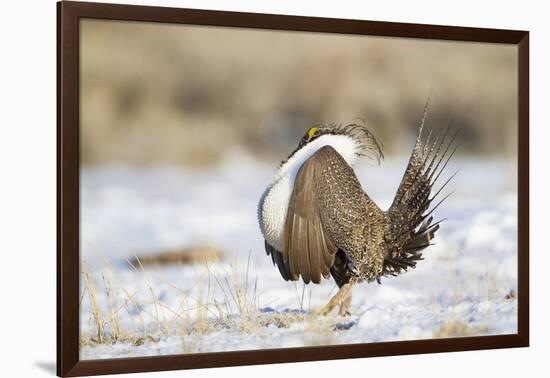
312, 131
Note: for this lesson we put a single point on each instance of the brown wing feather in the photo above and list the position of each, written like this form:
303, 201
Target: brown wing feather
307, 248
328, 210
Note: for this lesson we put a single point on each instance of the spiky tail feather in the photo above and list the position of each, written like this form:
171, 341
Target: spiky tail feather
411, 252
410, 221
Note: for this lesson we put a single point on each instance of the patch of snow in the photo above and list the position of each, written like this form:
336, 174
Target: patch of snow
125, 211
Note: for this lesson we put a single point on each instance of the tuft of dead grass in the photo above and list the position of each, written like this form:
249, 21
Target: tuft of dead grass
199, 310
222, 297
511, 294
189, 255
457, 328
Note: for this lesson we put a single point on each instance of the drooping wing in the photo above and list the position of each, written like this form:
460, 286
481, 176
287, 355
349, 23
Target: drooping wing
410, 215
277, 258
327, 207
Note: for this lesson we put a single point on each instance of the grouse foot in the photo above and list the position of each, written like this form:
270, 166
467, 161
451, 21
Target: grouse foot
342, 299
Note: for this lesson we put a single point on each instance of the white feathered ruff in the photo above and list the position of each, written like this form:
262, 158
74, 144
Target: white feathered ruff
273, 204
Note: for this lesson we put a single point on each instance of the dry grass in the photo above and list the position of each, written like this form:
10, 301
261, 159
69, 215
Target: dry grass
106, 321
190, 255
457, 328
511, 295
222, 297
198, 312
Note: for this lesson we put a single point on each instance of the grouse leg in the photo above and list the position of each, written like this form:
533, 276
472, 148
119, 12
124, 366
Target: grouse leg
342, 299
345, 304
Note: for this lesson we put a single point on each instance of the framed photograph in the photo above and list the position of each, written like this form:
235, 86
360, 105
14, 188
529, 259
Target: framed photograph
238, 188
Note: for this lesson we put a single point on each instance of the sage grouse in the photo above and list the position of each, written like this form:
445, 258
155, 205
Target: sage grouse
318, 222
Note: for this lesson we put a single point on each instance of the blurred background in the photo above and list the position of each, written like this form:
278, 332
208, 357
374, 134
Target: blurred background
182, 129
178, 94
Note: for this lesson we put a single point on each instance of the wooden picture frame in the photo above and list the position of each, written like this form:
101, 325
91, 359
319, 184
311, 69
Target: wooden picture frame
68, 16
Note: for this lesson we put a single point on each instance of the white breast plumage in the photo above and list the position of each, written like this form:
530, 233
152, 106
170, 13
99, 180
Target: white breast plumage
273, 204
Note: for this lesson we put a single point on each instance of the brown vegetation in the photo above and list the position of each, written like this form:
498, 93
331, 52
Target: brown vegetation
456, 328
198, 312
154, 93
189, 255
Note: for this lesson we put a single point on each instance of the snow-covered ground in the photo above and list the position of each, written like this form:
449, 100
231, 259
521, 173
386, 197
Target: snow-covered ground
459, 289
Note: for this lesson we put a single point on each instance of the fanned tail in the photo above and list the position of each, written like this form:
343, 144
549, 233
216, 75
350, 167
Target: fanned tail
411, 227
